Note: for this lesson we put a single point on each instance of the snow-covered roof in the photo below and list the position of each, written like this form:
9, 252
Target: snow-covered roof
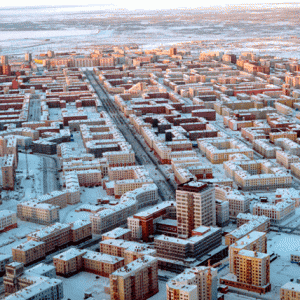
292, 286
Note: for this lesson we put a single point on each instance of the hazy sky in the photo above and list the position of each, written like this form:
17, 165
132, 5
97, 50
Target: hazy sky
142, 4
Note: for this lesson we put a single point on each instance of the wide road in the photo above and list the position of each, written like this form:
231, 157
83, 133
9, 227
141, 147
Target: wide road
34, 108
50, 173
143, 155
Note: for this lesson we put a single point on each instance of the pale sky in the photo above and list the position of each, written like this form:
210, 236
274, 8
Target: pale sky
145, 4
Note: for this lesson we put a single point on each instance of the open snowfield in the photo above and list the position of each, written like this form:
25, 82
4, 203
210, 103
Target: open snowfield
16, 236
77, 285
260, 30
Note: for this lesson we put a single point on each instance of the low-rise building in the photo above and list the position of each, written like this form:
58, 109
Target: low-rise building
203, 240
35, 212
118, 233
129, 250
74, 260
290, 291
275, 212
29, 252
8, 220
4, 260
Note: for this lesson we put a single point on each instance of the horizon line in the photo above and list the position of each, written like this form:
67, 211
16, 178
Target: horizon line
118, 7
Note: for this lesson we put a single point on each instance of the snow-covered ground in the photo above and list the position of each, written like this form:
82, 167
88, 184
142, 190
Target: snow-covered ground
26, 186
16, 236
75, 286
88, 196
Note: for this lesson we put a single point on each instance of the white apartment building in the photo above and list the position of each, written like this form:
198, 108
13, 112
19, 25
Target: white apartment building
275, 212
238, 202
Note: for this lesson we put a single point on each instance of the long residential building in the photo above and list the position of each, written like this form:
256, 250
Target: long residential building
275, 212
41, 213
74, 260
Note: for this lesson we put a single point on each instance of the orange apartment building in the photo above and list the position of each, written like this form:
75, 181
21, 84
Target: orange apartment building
135, 281
29, 252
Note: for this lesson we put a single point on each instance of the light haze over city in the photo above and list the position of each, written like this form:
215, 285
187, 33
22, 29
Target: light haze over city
150, 5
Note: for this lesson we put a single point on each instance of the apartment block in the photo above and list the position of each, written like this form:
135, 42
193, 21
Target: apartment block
116, 215
254, 241
194, 283
265, 148
290, 291
31, 284
4, 260
252, 272
218, 151
129, 250
286, 159
257, 174
40, 213
195, 204
53, 236
8, 168
275, 212
135, 281
144, 224
59, 234
8, 220
238, 202
75, 260
81, 230
262, 225
204, 239
56, 198
29, 252
295, 169
247, 218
